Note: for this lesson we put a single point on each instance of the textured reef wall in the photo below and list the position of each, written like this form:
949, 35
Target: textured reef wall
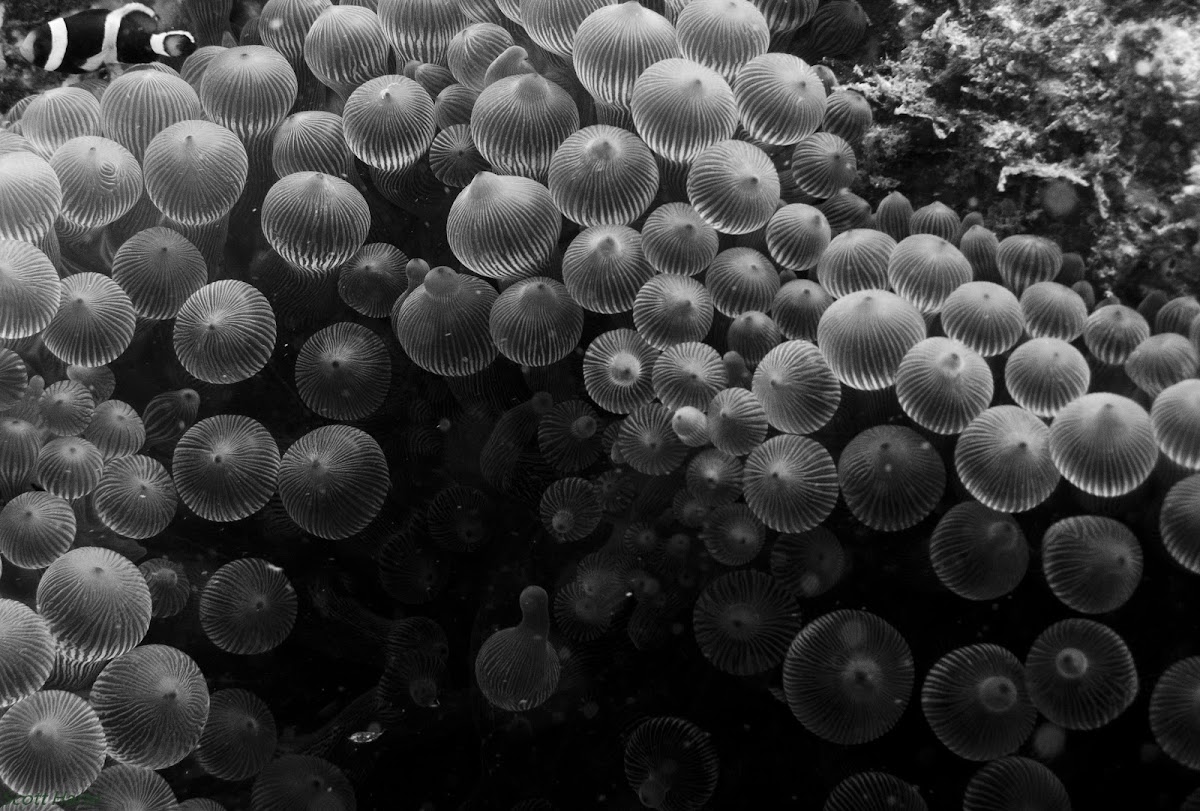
1077, 120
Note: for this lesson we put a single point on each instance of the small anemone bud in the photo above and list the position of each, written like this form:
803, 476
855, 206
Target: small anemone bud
535, 616
415, 271
827, 76
441, 282
736, 370
512, 62
691, 426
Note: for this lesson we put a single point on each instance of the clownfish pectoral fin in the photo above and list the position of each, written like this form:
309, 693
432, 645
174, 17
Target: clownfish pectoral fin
94, 63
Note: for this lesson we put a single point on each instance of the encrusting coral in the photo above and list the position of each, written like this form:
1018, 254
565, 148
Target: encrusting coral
1077, 120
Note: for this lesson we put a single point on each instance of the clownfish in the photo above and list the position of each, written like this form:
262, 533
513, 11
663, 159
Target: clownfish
89, 40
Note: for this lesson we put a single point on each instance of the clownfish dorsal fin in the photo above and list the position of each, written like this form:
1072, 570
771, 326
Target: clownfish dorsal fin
130, 8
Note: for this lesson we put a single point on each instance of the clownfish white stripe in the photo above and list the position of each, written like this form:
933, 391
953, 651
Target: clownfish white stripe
58, 43
112, 28
158, 42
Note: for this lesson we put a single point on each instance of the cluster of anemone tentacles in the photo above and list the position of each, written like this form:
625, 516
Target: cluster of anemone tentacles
652, 315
